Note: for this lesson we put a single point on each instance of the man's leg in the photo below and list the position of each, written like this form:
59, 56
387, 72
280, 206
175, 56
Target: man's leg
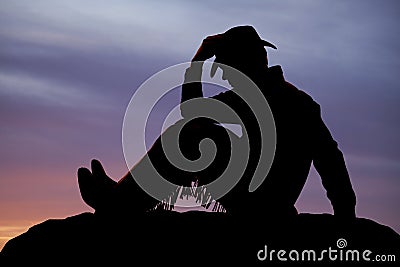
105, 195
127, 197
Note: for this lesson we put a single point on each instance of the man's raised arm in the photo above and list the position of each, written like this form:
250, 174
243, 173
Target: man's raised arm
192, 87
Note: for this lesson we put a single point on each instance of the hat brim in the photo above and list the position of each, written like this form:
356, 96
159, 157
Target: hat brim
265, 43
215, 64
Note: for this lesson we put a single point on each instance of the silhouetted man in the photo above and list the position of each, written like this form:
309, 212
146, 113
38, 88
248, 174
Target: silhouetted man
302, 138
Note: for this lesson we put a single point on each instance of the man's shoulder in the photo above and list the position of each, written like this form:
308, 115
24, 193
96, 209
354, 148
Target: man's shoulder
297, 93
289, 92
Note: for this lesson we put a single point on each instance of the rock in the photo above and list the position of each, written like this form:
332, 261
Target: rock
183, 239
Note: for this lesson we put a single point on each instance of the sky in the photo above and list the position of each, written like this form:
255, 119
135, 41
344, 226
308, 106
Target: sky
68, 70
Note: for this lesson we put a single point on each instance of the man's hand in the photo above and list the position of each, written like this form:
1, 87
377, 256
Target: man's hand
207, 48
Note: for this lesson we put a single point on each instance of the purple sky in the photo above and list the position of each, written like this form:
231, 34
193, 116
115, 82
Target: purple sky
69, 68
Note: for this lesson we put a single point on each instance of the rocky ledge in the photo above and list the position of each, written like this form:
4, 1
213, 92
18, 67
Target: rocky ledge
199, 238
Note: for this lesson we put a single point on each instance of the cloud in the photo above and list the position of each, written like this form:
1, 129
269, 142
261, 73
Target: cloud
42, 90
